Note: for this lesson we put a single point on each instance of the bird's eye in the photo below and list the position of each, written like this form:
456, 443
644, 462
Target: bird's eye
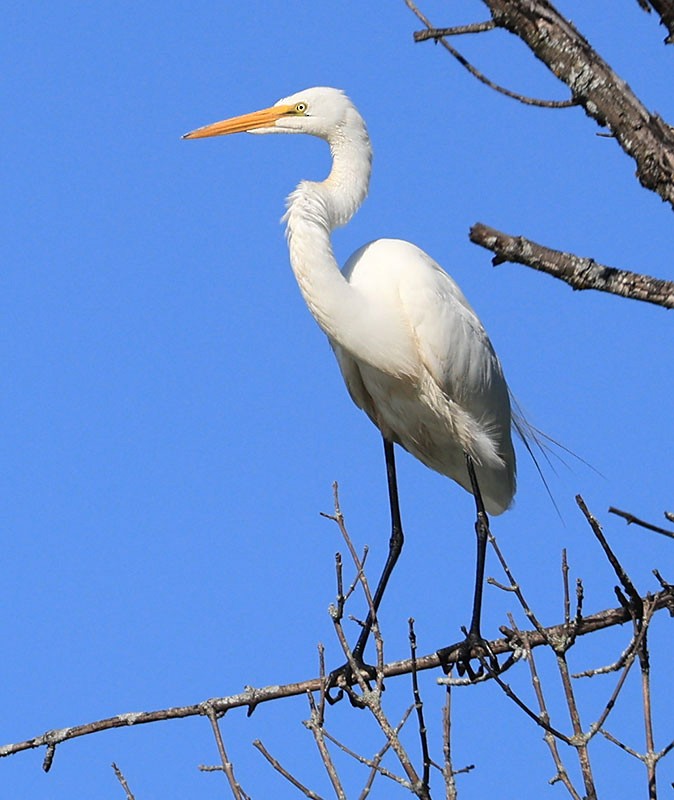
300, 108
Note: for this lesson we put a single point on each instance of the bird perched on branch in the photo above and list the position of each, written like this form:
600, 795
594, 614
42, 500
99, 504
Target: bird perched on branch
413, 353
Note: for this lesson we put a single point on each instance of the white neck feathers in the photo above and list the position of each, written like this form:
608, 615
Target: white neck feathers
314, 210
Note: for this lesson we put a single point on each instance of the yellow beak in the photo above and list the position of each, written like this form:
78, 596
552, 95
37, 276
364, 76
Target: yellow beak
266, 118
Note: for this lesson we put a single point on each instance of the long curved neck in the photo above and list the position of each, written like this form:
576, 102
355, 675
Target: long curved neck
314, 210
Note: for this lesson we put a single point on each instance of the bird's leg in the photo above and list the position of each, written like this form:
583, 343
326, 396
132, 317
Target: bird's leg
473, 635
482, 531
395, 545
344, 673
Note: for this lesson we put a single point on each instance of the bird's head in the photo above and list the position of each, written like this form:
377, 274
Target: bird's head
321, 111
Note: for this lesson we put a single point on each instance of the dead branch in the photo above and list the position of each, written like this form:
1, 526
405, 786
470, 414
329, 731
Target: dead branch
448, 771
120, 777
665, 10
632, 520
418, 703
608, 99
579, 273
560, 638
315, 724
373, 763
457, 30
439, 34
284, 772
640, 612
226, 765
642, 134
252, 697
550, 738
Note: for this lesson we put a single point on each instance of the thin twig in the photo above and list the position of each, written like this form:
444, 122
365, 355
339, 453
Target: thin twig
580, 740
632, 520
540, 719
457, 30
447, 769
371, 699
227, 766
549, 737
358, 562
666, 750
337, 614
565, 583
650, 760
315, 725
636, 602
618, 743
640, 632
437, 34
618, 664
418, 704
392, 742
374, 763
515, 586
280, 769
122, 780
650, 757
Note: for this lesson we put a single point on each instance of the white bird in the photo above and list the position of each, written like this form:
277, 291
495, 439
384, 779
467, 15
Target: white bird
413, 353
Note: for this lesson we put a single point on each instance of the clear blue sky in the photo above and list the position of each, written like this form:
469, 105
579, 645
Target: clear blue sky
172, 419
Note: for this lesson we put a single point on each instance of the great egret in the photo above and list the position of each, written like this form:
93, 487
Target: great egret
413, 353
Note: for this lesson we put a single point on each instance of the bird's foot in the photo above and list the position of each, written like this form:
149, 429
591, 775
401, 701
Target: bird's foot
344, 678
461, 654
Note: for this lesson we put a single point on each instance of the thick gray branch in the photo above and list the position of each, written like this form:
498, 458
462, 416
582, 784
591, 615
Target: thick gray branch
579, 273
607, 98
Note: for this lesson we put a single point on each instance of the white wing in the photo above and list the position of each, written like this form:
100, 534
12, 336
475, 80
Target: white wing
458, 398
453, 344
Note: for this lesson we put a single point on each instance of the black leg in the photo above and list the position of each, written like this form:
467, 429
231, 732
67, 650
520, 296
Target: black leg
461, 653
344, 674
394, 547
482, 532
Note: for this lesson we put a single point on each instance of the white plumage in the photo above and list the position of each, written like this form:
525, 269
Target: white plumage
454, 399
413, 353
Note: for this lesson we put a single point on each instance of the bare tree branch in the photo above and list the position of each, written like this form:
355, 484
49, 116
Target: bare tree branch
549, 738
253, 697
631, 519
607, 98
283, 771
122, 780
315, 724
374, 764
579, 273
665, 10
457, 30
438, 34
226, 765
418, 704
